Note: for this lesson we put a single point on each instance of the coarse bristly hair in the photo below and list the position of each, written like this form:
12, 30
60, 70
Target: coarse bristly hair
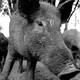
35, 34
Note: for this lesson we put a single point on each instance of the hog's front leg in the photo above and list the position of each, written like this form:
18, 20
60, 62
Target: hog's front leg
20, 70
31, 69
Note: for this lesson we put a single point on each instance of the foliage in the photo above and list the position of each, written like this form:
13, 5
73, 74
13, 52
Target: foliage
0, 4
4, 9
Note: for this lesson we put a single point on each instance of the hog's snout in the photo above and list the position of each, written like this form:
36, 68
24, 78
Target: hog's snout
69, 53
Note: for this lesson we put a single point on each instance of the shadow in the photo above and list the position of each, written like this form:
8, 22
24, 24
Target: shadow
68, 76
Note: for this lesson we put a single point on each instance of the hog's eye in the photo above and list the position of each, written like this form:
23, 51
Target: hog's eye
40, 23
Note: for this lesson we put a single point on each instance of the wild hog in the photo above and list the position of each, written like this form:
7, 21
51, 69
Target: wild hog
72, 40
3, 49
35, 34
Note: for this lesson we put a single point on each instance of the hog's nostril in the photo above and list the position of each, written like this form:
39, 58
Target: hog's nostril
74, 48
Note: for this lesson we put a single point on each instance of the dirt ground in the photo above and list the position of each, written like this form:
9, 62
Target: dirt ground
41, 73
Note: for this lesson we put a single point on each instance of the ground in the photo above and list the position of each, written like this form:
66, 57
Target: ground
41, 73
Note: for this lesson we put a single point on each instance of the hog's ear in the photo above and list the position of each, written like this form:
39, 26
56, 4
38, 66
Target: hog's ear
65, 9
28, 6
52, 2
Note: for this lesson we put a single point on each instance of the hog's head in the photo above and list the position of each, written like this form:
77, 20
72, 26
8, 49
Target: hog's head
35, 30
